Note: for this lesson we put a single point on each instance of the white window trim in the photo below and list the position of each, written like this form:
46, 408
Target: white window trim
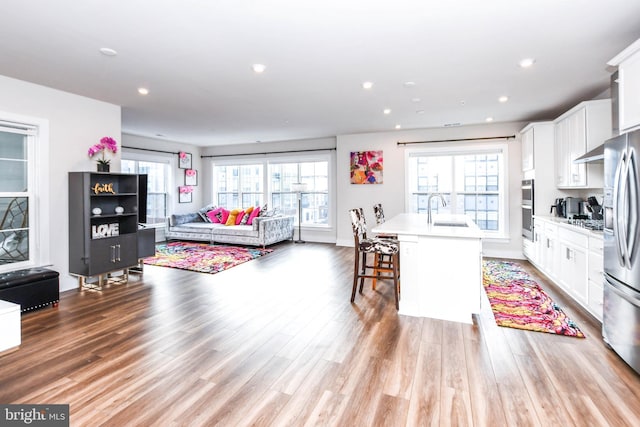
39, 235
452, 148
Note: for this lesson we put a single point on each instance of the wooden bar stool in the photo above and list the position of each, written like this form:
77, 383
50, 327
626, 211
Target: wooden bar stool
378, 247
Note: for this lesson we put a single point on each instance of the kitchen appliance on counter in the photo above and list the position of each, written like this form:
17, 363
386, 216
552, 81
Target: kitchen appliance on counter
567, 207
621, 312
594, 208
559, 208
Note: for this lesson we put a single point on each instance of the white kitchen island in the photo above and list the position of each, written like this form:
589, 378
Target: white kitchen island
440, 265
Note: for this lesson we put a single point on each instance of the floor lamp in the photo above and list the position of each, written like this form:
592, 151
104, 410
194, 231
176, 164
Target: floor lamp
299, 188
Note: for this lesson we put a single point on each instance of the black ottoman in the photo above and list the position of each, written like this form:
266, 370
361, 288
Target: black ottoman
31, 288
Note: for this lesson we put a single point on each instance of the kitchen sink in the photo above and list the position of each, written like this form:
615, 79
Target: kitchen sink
450, 224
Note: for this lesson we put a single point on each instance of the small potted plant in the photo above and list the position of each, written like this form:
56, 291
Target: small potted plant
106, 144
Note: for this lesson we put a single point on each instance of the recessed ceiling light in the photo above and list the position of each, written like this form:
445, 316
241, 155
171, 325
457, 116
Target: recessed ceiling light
398, 126
387, 111
416, 99
259, 68
489, 119
503, 98
143, 91
108, 51
409, 84
420, 112
527, 62
367, 85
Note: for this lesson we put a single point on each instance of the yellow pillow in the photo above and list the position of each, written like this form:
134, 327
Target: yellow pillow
232, 217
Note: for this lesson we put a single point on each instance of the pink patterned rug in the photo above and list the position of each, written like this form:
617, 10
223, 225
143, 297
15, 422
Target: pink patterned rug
517, 301
202, 257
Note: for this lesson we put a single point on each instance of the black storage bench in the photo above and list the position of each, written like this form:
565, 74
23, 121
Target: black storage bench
31, 288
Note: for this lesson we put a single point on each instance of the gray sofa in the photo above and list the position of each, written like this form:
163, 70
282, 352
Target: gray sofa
264, 230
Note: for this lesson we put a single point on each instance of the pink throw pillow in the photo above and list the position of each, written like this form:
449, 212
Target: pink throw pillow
239, 217
213, 215
225, 216
254, 213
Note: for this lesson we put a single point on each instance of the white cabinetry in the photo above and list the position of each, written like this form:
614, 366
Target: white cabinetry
573, 275
628, 63
527, 149
572, 258
596, 276
577, 131
550, 261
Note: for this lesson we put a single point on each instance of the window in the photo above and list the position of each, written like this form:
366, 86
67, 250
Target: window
315, 199
471, 180
239, 185
157, 179
17, 225
244, 185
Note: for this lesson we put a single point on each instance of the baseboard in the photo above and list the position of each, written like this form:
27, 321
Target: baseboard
493, 253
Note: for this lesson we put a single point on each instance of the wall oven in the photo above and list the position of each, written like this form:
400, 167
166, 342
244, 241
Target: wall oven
527, 209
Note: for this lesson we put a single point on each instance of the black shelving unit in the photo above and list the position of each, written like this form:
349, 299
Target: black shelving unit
102, 243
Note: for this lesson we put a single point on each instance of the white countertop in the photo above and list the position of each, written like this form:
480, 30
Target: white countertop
416, 224
563, 222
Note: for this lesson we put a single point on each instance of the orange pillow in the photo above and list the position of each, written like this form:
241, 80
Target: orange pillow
231, 220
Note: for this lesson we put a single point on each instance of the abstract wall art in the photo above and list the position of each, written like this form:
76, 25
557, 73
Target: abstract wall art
366, 167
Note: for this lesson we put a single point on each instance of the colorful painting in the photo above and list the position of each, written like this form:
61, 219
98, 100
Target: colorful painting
366, 167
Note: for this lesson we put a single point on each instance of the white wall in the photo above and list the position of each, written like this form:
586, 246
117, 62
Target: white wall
75, 124
391, 193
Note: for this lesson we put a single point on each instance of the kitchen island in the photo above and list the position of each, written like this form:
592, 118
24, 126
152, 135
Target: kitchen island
440, 265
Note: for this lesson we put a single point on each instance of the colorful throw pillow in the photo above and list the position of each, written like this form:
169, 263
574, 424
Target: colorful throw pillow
254, 213
239, 217
231, 217
203, 212
245, 217
215, 215
224, 215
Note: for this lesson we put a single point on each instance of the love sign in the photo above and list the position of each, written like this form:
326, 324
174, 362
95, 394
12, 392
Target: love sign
105, 230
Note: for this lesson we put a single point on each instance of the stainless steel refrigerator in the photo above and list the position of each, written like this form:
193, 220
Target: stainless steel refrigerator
621, 317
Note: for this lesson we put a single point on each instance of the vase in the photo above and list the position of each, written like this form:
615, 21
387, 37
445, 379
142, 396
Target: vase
103, 167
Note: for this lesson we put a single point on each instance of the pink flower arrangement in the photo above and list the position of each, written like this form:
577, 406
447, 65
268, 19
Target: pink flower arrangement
190, 172
106, 144
186, 189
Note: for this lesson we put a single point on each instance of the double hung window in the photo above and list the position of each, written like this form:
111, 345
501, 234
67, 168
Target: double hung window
270, 181
314, 199
157, 183
471, 180
239, 186
17, 194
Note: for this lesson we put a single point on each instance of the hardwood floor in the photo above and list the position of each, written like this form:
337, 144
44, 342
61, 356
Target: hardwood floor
276, 342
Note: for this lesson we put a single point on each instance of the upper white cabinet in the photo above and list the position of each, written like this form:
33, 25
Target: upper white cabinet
577, 131
628, 63
527, 149
537, 162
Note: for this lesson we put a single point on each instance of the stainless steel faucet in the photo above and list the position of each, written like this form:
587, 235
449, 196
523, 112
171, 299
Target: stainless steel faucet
444, 203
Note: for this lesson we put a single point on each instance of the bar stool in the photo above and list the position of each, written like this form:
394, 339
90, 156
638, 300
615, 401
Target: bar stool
378, 247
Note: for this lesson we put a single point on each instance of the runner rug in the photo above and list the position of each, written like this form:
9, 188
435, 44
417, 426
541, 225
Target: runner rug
518, 301
202, 257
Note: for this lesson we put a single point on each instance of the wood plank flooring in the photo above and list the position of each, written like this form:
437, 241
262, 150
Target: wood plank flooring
275, 342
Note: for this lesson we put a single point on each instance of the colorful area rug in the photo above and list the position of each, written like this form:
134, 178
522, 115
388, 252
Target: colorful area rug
517, 301
202, 257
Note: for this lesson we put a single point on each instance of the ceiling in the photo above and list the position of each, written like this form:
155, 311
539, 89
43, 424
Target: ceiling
195, 57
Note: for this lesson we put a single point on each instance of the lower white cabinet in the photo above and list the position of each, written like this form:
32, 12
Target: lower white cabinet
572, 258
573, 271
